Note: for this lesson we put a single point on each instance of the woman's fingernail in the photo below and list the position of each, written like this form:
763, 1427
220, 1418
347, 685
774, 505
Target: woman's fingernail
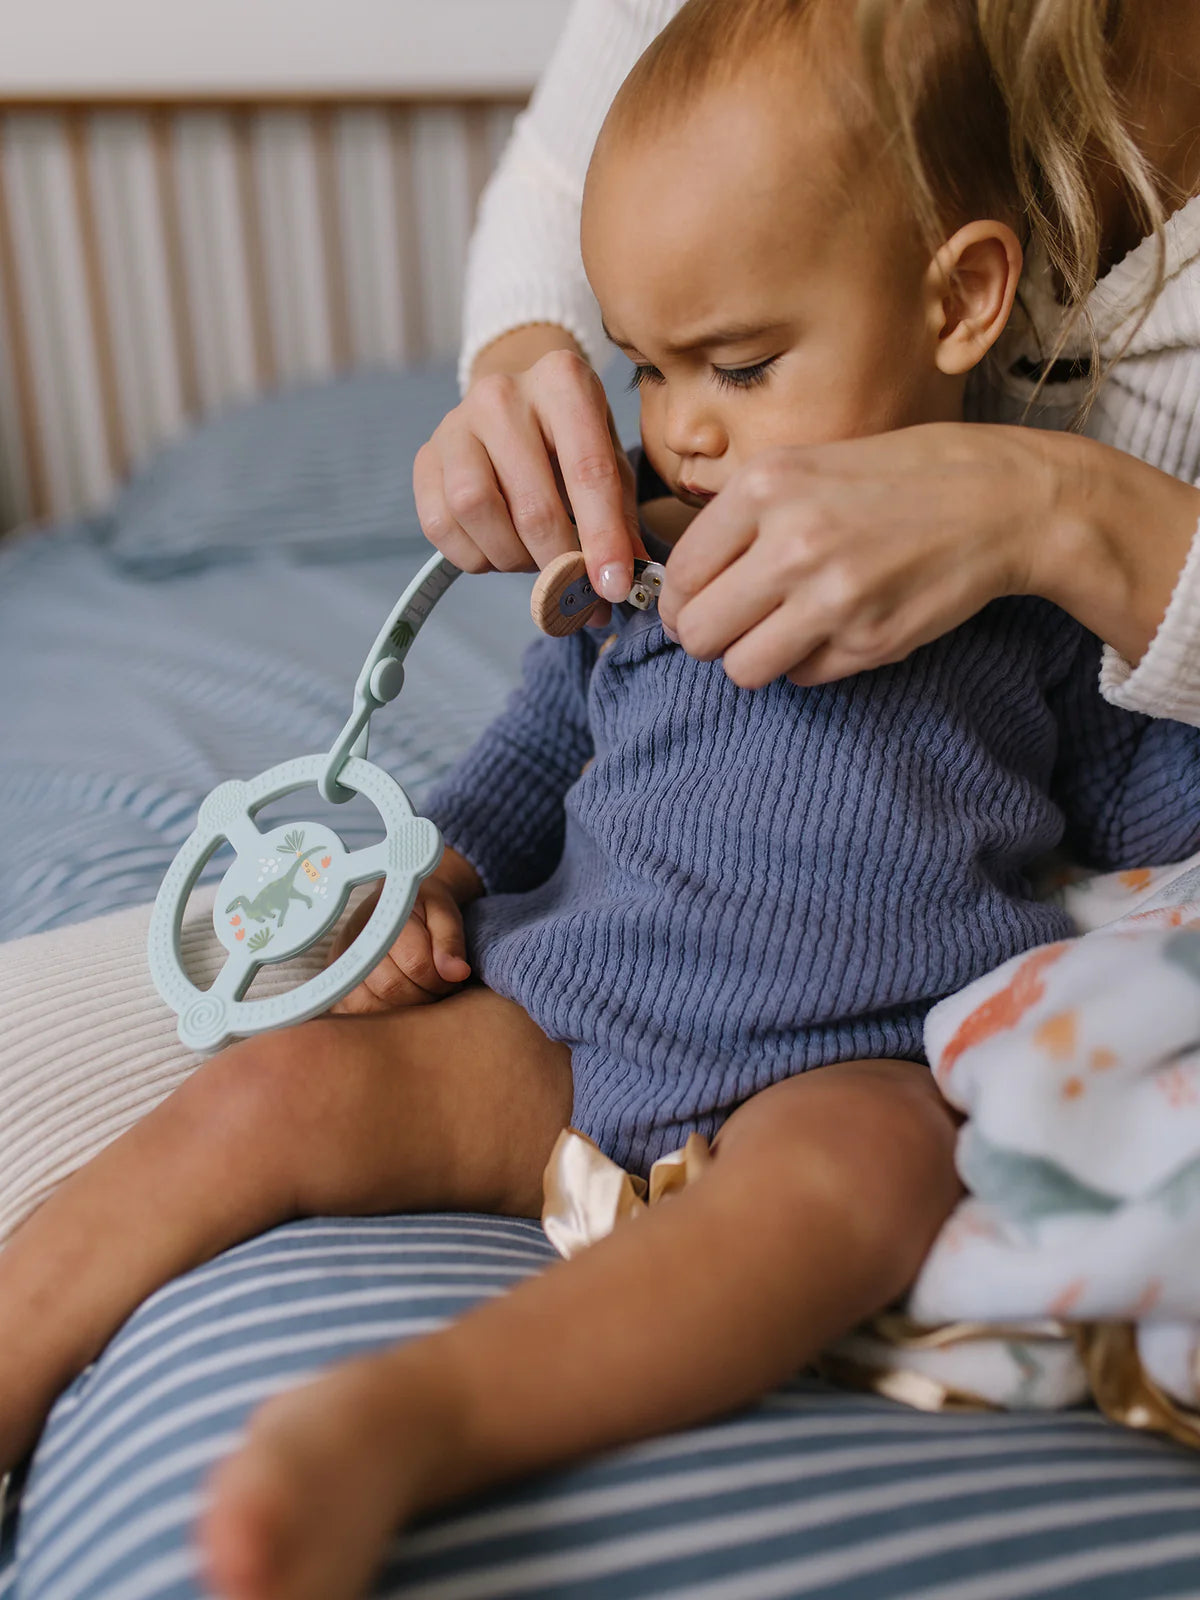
614, 582
674, 637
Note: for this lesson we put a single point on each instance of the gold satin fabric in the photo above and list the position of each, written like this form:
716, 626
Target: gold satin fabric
585, 1196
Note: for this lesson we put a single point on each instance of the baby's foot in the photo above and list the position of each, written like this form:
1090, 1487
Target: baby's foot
308, 1505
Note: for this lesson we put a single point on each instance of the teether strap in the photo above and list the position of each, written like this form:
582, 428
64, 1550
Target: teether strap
382, 675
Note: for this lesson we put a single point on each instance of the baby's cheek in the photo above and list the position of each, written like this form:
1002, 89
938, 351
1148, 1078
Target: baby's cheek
653, 413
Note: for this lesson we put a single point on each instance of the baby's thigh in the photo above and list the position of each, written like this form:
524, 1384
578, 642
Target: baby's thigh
449, 1106
875, 1135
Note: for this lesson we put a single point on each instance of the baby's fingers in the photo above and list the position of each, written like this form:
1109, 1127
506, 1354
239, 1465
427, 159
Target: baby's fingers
413, 955
387, 988
353, 925
447, 941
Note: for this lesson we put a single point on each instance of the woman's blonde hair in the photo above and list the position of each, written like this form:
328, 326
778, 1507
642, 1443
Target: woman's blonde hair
1053, 61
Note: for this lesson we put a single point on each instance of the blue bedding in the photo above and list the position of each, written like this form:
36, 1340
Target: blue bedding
210, 624
143, 669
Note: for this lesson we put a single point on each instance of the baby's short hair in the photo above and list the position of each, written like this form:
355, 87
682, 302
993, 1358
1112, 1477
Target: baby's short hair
873, 56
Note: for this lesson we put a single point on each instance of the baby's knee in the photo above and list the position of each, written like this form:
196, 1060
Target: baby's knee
873, 1136
265, 1084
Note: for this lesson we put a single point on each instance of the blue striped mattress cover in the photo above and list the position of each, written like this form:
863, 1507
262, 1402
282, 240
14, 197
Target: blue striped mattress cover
130, 688
812, 1492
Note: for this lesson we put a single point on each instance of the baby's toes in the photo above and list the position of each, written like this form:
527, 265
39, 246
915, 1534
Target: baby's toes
304, 1509
249, 1532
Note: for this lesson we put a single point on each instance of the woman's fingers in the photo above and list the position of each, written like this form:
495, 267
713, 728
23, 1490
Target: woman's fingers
575, 420
537, 515
770, 649
475, 502
725, 529
523, 455
726, 608
437, 524
826, 561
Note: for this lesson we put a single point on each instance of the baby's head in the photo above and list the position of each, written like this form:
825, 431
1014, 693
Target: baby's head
752, 237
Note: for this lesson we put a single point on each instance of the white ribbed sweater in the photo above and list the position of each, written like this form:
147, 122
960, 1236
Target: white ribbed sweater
525, 267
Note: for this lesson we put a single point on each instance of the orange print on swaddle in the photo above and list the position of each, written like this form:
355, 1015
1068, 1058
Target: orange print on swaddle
1004, 1009
1058, 1035
1135, 879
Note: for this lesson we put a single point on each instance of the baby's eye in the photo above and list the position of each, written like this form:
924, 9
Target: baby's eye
744, 377
642, 373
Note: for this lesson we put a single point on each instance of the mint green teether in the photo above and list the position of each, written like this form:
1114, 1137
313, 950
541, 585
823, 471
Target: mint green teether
288, 886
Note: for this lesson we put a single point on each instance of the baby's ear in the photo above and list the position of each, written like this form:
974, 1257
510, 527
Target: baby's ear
971, 285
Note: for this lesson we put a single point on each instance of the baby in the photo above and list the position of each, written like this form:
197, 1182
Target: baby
680, 894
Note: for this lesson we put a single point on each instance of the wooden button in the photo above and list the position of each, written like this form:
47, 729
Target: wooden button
563, 598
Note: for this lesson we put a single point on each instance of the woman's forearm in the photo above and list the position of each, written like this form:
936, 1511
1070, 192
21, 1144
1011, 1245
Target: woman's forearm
517, 350
1117, 537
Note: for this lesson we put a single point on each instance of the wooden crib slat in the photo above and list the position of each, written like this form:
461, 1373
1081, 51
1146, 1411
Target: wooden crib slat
226, 293
412, 287
336, 289
265, 365
29, 419
166, 182
99, 315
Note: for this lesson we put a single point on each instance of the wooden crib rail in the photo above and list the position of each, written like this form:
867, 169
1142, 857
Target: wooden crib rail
164, 255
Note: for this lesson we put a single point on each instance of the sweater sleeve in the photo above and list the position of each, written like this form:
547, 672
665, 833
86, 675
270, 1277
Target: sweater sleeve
524, 263
1166, 682
1128, 784
502, 805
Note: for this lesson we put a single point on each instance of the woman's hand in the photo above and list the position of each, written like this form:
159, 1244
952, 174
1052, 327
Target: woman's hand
822, 562
428, 959
497, 485
826, 561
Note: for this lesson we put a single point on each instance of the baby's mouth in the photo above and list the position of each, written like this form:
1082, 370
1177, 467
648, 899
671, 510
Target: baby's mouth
692, 496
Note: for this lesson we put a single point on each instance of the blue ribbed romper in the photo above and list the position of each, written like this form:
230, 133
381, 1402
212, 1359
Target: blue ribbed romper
704, 889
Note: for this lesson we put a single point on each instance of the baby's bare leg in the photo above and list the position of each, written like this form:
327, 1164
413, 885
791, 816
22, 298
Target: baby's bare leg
825, 1194
442, 1107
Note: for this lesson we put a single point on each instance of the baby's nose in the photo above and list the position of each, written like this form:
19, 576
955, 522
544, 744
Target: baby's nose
694, 430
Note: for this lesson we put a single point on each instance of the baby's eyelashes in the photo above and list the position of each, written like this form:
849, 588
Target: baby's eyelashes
748, 377
744, 377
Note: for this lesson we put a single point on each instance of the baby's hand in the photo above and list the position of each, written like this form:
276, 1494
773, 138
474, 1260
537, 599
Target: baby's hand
427, 960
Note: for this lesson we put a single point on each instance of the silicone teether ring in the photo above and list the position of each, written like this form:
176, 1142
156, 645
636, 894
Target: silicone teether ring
411, 848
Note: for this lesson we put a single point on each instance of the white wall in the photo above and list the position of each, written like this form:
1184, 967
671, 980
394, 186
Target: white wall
59, 47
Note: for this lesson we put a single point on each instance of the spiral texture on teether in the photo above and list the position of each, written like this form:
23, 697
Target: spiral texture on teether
203, 1024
